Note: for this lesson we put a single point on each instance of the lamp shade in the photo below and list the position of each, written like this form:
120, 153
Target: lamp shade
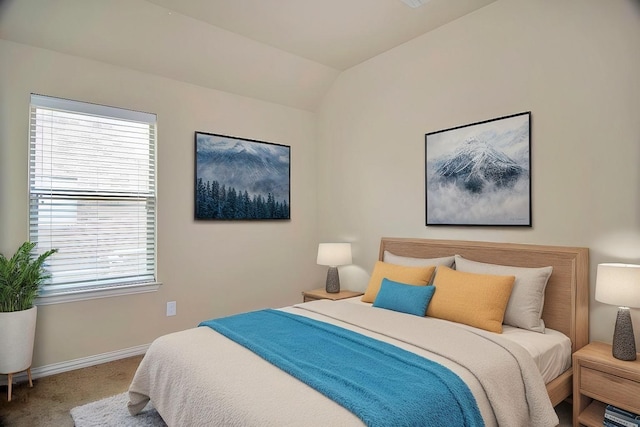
618, 284
334, 254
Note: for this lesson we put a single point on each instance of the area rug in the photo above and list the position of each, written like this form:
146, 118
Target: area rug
112, 411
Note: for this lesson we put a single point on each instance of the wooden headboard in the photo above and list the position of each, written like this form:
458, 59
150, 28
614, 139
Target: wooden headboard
566, 304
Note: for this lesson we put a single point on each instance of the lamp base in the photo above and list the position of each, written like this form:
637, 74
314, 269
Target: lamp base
624, 343
333, 281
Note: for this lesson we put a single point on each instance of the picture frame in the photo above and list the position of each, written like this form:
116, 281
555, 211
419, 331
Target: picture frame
479, 174
241, 179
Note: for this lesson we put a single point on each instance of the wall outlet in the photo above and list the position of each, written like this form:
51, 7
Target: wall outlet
171, 308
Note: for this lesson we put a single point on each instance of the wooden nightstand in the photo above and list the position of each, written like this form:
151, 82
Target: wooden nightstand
600, 379
320, 293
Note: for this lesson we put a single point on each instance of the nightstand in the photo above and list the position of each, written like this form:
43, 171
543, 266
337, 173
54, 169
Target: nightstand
600, 379
320, 293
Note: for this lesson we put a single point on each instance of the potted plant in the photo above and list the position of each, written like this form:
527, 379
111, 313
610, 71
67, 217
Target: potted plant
20, 279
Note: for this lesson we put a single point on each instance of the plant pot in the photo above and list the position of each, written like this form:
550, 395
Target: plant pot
17, 334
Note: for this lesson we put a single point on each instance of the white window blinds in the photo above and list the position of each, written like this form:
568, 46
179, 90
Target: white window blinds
92, 193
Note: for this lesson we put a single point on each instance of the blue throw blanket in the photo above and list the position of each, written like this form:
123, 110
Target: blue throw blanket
381, 384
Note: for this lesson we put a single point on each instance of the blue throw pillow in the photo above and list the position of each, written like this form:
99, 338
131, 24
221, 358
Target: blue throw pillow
404, 298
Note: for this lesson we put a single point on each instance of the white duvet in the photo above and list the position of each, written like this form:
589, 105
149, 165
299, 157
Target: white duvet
198, 377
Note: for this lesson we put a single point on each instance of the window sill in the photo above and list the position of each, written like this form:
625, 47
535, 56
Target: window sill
88, 294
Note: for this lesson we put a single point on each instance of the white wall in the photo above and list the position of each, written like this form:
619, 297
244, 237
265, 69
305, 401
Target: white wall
575, 64
358, 165
209, 268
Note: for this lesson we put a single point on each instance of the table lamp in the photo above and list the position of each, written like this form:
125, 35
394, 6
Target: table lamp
619, 284
333, 255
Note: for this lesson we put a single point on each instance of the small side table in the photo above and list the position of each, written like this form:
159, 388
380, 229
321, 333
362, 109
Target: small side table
320, 293
600, 379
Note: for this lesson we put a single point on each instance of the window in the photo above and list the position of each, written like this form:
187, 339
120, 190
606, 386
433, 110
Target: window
92, 195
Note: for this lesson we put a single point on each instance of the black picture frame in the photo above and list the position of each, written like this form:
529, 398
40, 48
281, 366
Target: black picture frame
241, 179
479, 174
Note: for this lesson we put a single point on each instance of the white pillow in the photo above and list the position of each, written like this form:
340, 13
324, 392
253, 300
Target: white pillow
417, 262
524, 309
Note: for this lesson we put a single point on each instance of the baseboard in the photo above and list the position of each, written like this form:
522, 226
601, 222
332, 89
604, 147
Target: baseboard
84, 362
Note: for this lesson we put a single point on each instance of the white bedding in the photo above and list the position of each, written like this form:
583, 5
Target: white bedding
198, 377
551, 351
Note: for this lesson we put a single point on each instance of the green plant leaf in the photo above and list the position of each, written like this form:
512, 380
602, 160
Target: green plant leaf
21, 277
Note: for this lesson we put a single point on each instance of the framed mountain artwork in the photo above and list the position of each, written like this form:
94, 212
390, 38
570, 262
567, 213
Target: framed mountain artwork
480, 174
241, 179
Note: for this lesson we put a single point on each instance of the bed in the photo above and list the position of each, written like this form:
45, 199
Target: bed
200, 376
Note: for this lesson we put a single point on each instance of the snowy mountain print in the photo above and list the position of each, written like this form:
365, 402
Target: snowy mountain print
476, 166
241, 179
479, 174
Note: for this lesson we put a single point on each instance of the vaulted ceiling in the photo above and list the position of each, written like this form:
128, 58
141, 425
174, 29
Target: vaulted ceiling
282, 51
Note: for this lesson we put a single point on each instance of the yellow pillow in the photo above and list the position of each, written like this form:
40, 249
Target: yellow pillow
419, 276
478, 300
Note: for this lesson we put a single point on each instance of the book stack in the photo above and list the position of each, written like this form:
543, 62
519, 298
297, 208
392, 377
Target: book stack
616, 417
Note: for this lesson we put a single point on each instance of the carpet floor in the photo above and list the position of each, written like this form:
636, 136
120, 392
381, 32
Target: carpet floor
51, 399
